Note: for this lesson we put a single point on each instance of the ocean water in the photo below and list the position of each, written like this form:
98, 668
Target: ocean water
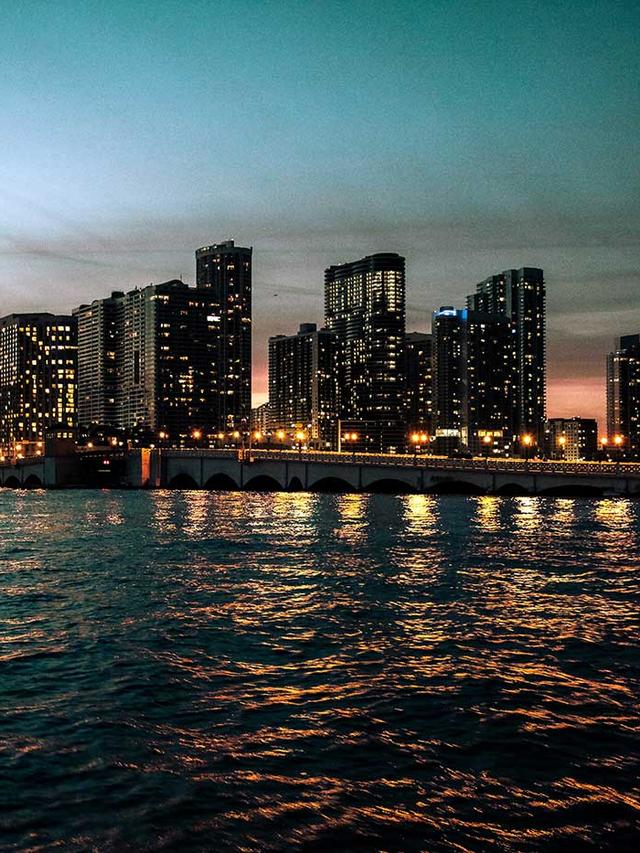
220, 671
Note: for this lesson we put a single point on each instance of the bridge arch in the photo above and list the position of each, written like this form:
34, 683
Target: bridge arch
572, 490
32, 482
295, 484
12, 482
183, 481
262, 483
332, 485
511, 490
456, 487
390, 486
221, 483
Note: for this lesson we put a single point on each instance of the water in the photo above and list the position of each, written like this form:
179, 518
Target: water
197, 671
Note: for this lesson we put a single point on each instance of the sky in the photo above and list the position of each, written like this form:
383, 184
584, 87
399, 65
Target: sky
471, 137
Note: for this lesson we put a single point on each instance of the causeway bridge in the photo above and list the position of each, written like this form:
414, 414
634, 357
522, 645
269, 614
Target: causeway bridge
270, 470
291, 470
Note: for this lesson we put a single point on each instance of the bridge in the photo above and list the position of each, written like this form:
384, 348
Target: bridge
290, 470
271, 470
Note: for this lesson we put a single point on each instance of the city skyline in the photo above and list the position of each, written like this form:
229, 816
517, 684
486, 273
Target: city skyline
259, 368
428, 141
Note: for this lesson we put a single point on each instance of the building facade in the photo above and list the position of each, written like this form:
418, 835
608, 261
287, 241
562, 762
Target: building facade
520, 296
99, 338
417, 370
304, 384
365, 309
224, 271
446, 330
472, 382
260, 419
147, 362
623, 396
38, 364
571, 439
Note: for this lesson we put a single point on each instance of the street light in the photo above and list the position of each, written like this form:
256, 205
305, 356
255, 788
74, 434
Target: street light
351, 437
487, 440
418, 439
562, 441
527, 441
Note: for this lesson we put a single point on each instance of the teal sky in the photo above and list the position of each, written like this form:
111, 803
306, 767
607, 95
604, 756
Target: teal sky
469, 136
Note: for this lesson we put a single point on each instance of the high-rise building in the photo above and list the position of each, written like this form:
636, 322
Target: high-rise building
472, 386
159, 350
520, 295
223, 270
38, 360
571, 439
99, 336
623, 396
448, 376
418, 381
303, 384
365, 308
260, 420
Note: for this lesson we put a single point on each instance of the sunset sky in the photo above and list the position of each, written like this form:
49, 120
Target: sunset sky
468, 136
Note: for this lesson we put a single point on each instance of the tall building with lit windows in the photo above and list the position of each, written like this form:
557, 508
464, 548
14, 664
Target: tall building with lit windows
623, 396
365, 308
223, 272
417, 371
571, 439
520, 296
472, 381
99, 337
158, 358
38, 361
303, 384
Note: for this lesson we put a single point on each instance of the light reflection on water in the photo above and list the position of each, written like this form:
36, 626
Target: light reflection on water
298, 671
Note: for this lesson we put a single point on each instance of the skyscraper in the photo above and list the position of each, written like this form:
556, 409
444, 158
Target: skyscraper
520, 295
472, 391
571, 439
365, 309
223, 270
418, 381
448, 376
159, 345
623, 395
99, 336
303, 384
38, 359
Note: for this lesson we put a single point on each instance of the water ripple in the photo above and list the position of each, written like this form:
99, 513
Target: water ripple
188, 671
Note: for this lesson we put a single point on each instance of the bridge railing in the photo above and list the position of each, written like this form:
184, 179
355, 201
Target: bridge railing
394, 460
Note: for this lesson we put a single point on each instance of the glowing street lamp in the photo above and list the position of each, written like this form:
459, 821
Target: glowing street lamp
300, 436
418, 439
562, 443
351, 438
527, 442
196, 435
618, 440
487, 441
